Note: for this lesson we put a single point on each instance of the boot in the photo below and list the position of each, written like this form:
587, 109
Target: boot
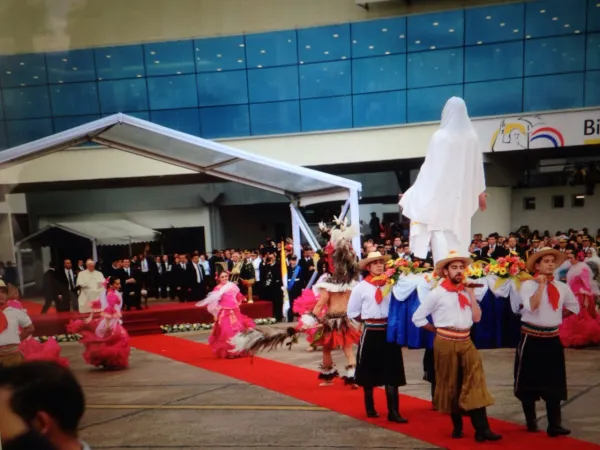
370, 402
555, 427
530, 416
457, 424
393, 404
432, 395
482, 427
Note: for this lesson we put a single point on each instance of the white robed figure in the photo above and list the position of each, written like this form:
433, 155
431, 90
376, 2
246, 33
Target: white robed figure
91, 283
449, 189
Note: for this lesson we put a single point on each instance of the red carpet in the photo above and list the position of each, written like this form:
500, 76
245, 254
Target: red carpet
172, 313
299, 383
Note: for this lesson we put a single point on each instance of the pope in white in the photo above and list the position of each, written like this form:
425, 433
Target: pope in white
91, 285
449, 189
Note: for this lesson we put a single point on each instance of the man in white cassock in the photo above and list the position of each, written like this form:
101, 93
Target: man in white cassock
91, 285
449, 189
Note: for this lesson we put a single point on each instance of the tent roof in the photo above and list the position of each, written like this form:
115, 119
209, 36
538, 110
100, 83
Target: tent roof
110, 232
172, 147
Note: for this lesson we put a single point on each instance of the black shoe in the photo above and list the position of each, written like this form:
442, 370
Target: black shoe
530, 416
555, 427
393, 404
370, 403
482, 427
457, 423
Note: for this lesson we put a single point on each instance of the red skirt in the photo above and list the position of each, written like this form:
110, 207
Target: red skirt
338, 331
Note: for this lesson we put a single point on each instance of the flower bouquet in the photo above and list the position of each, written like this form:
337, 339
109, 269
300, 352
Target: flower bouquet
510, 267
395, 268
475, 271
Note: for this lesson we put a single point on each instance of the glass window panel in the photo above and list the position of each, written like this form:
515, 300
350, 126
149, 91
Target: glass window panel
275, 118
74, 99
184, 120
325, 79
113, 63
273, 84
383, 73
593, 13
328, 43
494, 61
71, 66
379, 37
592, 88
379, 109
3, 138
1, 107
66, 123
221, 53
225, 121
494, 24
554, 55
173, 92
27, 103
169, 58
23, 131
593, 51
222, 88
123, 95
144, 115
554, 18
425, 105
22, 70
439, 30
334, 113
553, 92
435, 68
271, 49
493, 98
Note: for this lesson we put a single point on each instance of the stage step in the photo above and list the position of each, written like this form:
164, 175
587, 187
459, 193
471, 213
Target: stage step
141, 326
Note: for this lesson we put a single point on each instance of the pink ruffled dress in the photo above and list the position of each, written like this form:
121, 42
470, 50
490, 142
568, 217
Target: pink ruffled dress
224, 304
583, 329
105, 340
32, 350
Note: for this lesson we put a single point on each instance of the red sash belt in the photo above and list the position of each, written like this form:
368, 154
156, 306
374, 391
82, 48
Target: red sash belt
453, 334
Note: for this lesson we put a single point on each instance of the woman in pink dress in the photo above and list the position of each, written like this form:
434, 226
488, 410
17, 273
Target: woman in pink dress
583, 329
224, 304
106, 341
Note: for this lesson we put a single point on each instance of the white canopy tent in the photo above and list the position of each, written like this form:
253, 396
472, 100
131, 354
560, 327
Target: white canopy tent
192, 154
110, 232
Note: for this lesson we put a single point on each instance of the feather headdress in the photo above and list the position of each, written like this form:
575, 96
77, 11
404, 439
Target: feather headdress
343, 267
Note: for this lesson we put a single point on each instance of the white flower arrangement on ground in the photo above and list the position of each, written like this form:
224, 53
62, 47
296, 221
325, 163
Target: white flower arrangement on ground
178, 328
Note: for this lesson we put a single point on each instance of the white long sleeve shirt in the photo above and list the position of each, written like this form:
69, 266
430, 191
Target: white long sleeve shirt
362, 303
445, 310
545, 315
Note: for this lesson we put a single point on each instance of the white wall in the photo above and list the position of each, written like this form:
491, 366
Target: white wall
497, 217
544, 217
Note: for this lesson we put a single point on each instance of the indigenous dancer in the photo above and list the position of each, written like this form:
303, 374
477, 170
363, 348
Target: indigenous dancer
15, 327
460, 381
224, 304
380, 362
336, 329
540, 371
106, 341
583, 329
453, 164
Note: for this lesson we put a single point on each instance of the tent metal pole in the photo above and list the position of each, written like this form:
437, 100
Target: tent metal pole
20, 270
296, 233
345, 209
130, 247
355, 220
94, 250
306, 231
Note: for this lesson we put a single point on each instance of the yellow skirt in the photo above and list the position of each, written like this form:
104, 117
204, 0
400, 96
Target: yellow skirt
460, 381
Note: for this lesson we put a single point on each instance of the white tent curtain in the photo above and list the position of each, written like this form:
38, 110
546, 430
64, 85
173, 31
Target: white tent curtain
112, 232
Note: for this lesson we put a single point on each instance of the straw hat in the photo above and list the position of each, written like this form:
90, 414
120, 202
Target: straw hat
372, 256
452, 256
535, 257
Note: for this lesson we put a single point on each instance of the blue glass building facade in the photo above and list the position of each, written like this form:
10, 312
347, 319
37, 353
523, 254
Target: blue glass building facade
508, 59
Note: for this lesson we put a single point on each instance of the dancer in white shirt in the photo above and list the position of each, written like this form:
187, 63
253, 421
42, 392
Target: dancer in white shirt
460, 381
540, 371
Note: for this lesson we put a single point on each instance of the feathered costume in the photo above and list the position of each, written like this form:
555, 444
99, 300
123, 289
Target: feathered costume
329, 329
32, 350
224, 304
583, 329
106, 341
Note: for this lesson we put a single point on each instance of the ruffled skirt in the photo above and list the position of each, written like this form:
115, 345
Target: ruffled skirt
229, 323
111, 351
33, 350
338, 330
583, 329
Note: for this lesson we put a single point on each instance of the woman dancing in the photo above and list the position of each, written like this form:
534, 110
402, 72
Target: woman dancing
224, 304
106, 341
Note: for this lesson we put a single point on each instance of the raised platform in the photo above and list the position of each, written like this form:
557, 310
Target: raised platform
147, 321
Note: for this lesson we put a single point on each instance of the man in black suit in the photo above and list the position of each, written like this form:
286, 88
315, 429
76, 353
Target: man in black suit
270, 280
197, 280
181, 278
295, 284
67, 280
158, 277
131, 286
307, 265
52, 289
492, 250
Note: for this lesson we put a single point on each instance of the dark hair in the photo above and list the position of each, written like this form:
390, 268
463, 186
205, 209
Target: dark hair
45, 386
293, 258
112, 279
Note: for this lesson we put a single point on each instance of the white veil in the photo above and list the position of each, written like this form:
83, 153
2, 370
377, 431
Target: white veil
446, 192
